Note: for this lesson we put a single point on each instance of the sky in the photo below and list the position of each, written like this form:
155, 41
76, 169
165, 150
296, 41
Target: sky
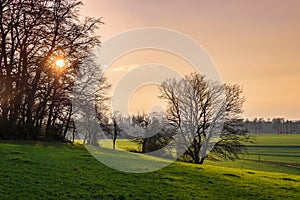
255, 44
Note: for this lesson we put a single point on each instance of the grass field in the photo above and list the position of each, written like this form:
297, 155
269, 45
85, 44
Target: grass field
277, 140
59, 171
277, 148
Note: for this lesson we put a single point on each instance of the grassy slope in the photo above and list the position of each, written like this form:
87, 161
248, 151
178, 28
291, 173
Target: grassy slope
47, 171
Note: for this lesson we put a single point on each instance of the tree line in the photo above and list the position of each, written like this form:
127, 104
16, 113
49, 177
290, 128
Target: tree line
35, 93
277, 125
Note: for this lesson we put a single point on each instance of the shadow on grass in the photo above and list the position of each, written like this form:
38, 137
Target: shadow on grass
127, 161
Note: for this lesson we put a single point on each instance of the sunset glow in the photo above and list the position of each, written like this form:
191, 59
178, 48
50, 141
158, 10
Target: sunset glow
253, 43
60, 63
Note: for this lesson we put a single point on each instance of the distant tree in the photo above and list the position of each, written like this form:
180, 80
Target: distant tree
112, 128
116, 131
149, 131
35, 94
143, 121
91, 103
255, 125
278, 124
195, 109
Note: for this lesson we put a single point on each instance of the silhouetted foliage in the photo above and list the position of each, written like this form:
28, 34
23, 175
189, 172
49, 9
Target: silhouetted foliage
35, 94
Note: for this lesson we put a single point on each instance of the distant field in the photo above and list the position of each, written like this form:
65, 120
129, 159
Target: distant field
59, 171
277, 147
277, 140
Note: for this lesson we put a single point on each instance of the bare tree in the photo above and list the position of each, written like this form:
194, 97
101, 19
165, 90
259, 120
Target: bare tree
90, 102
197, 109
234, 133
149, 131
112, 129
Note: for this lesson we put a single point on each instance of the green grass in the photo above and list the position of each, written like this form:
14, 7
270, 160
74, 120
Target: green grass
277, 154
58, 171
275, 148
277, 140
121, 144
255, 165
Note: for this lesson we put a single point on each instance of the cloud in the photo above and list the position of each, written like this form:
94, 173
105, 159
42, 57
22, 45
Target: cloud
125, 68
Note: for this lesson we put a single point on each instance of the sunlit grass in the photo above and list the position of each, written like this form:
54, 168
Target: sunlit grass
57, 171
121, 144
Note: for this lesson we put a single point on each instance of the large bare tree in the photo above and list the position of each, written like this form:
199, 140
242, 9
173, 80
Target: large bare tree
205, 114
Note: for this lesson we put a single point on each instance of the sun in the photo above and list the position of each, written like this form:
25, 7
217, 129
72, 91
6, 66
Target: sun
60, 63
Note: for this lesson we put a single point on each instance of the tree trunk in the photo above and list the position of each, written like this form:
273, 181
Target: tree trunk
114, 142
68, 123
202, 160
196, 158
144, 145
115, 134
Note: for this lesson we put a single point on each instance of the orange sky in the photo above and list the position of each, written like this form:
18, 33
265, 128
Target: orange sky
253, 43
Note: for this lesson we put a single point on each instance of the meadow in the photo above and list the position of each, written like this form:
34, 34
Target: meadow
38, 170
281, 148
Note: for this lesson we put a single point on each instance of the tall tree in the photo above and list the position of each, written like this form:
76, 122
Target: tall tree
197, 108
